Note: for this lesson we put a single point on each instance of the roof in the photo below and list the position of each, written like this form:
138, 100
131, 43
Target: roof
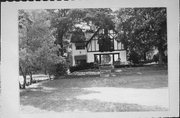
96, 34
78, 36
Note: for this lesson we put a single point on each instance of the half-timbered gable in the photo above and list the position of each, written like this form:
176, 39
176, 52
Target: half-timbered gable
93, 44
97, 47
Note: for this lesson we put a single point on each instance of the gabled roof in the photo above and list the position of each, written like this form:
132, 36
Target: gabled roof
96, 34
93, 36
78, 36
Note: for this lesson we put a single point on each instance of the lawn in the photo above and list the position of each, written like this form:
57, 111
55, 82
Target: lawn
131, 89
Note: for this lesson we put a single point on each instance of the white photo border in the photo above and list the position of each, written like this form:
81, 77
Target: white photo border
9, 55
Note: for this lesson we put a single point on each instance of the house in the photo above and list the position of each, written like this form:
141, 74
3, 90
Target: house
96, 47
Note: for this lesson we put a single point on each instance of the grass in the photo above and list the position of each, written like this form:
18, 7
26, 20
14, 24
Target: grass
60, 95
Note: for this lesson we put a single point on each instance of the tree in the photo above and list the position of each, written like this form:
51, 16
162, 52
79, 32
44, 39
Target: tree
134, 57
101, 19
35, 41
78, 36
60, 24
142, 29
47, 57
66, 21
24, 24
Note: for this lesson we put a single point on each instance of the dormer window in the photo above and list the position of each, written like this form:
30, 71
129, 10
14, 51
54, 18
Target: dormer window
80, 46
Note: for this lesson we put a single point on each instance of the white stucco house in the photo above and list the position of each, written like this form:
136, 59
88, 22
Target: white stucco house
89, 50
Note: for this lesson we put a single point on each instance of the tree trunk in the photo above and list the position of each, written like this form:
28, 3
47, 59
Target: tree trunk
161, 48
45, 71
24, 76
144, 56
24, 83
61, 43
160, 56
61, 50
31, 78
20, 85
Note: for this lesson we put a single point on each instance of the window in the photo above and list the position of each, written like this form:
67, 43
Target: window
80, 46
106, 58
80, 61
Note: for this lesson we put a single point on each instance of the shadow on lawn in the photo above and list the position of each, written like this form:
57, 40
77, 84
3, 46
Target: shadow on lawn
146, 81
77, 105
61, 94
65, 99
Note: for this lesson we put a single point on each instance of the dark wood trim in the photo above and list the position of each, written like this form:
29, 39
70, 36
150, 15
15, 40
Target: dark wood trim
100, 58
93, 36
95, 44
113, 44
91, 46
90, 49
87, 47
111, 51
94, 58
107, 54
113, 58
117, 45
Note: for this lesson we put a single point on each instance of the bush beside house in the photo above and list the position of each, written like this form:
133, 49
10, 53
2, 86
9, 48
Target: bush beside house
83, 66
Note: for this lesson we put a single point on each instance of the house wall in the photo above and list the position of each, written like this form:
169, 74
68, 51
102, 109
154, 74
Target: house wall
118, 45
90, 55
94, 46
123, 56
77, 52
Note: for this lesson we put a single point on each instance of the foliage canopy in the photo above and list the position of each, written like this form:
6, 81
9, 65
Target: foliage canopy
45, 35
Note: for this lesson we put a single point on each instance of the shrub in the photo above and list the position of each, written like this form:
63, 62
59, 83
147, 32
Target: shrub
156, 57
83, 66
134, 57
58, 70
145, 62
